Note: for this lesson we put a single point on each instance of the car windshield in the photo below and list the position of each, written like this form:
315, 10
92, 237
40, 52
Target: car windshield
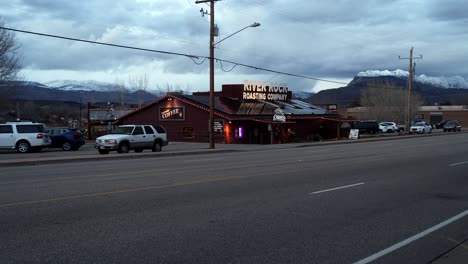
123, 130
419, 124
450, 123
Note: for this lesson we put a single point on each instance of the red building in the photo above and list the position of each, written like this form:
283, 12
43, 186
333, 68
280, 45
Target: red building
251, 113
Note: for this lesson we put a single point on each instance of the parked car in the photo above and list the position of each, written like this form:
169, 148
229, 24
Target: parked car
66, 138
452, 125
440, 125
133, 137
390, 127
24, 136
420, 128
370, 127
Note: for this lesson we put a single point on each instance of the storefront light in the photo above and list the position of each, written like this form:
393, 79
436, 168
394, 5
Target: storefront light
241, 132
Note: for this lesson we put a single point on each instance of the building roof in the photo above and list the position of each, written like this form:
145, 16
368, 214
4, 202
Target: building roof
238, 109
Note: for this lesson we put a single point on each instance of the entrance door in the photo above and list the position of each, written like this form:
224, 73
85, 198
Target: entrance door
434, 119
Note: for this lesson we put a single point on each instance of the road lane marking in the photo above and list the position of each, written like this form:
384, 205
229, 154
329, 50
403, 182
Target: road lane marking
201, 160
210, 180
411, 239
459, 163
338, 188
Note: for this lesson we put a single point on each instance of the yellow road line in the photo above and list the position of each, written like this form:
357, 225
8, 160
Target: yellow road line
124, 191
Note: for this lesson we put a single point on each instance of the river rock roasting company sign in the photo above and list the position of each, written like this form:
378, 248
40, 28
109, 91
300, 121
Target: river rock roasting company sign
258, 90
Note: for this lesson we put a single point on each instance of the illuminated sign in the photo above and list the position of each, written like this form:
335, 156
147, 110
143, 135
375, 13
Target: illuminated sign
258, 90
172, 113
279, 115
218, 126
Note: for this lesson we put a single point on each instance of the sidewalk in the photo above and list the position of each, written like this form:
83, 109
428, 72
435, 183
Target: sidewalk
190, 148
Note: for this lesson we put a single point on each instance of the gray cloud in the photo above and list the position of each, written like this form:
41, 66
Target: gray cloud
448, 10
323, 39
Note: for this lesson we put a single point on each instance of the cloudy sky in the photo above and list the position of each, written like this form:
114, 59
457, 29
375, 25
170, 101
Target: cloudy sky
331, 40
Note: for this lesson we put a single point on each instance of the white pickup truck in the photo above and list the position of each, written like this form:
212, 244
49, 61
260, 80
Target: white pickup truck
132, 137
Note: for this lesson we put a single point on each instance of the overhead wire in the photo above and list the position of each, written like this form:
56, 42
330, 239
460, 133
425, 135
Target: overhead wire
100, 43
190, 56
222, 68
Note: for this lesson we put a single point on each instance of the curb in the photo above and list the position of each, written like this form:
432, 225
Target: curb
95, 157
55, 160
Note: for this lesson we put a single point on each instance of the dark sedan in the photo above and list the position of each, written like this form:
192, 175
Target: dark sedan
452, 125
66, 138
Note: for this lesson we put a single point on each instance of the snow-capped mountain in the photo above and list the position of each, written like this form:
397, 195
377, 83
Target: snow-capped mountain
440, 81
302, 94
69, 85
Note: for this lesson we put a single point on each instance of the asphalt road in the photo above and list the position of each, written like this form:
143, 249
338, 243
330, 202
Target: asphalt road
398, 201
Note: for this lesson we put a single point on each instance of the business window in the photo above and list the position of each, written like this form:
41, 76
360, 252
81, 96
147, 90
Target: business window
188, 132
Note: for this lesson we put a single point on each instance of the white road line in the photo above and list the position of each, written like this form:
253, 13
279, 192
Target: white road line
199, 160
411, 239
338, 188
459, 163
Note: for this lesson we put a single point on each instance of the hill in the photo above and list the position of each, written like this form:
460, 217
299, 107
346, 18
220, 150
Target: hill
73, 92
432, 90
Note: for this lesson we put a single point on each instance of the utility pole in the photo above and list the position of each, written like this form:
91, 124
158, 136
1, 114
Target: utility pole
410, 81
212, 29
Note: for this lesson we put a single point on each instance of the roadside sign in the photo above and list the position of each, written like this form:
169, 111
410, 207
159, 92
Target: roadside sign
354, 134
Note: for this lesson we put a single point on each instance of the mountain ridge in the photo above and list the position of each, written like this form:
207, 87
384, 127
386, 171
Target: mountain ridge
431, 92
35, 91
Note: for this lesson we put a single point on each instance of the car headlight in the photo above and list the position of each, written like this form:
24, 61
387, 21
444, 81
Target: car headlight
112, 141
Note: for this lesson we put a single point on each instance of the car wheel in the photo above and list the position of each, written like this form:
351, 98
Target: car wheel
123, 148
23, 146
103, 151
138, 150
157, 147
401, 130
66, 146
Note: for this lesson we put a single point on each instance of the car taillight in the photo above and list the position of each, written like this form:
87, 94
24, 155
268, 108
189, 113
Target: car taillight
40, 136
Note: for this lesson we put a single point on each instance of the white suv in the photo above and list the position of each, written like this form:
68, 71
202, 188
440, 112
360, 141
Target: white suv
385, 127
24, 136
132, 137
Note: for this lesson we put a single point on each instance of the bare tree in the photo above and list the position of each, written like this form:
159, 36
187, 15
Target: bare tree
9, 58
121, 90
387, 104
9, 66
172, 89
139, 84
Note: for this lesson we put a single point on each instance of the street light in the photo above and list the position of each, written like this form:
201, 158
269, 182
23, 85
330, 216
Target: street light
212, 45
255, 24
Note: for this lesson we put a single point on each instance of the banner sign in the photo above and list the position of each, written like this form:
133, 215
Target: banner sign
354, 134
172, 113
258, 90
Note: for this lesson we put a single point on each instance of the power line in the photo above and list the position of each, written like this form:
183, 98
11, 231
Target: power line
192, 57
100, 43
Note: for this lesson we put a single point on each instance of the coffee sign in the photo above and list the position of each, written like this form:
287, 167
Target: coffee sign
172, 113
258, 90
